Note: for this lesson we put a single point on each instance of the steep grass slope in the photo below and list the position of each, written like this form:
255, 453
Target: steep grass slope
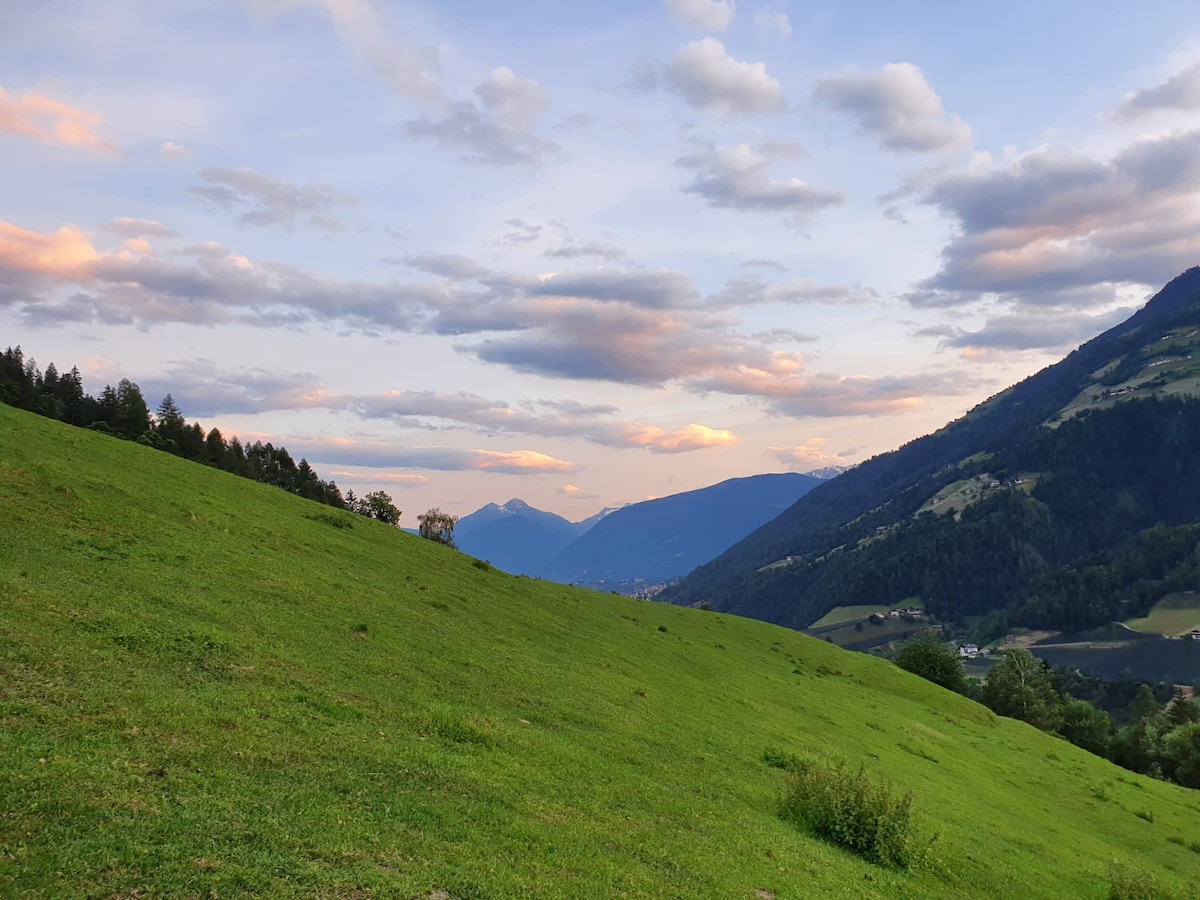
211, 688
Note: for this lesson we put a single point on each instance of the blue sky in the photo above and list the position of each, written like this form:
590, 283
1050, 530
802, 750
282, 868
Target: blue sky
586, 253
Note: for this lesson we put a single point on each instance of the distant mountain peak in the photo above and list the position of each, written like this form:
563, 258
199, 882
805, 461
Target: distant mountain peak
515, 505
824, 474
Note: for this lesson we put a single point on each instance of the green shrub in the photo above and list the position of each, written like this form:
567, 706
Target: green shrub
781, 759
852, 811
1132, 883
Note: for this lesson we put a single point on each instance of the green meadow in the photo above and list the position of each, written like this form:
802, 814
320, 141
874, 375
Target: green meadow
848, 615
1176, 614
211, 688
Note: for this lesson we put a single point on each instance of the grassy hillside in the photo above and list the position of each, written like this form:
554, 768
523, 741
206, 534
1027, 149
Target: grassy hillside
211, 688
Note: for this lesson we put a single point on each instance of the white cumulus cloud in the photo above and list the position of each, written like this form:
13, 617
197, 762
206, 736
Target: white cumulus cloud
711, 15
709, 79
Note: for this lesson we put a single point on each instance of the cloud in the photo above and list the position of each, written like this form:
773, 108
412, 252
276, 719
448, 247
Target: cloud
1054, 227
499, 130
514, 100
522, 233
710, 15
572, 492
173, 151
772, 265
610, 252
691, 437
268, 201
776, 22
401, 480
659, 290
51, 121
738, 178
711, 80
809, 455
784, 336
140, 228
789, 390
1180, 92
1027, 330
66, 253
750, 290
410, 72
200, 389
204, 284
781, 148
624, 327
567, 420
384, 455
447, 265
896, 105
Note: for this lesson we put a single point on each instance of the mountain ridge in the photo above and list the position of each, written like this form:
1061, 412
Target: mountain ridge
657, 540
890, 488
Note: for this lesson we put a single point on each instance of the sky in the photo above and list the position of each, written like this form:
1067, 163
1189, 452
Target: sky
585, 253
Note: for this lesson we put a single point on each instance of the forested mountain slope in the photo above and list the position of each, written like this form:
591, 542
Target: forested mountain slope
210, 687
1001, 511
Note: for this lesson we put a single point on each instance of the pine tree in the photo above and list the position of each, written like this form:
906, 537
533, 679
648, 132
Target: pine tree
169, 422
132, 416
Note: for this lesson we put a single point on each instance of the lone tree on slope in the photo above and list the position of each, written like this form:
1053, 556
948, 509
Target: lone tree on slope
934, 660
438, 526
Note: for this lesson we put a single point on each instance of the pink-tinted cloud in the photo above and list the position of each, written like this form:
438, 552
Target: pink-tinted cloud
627, 327
387, 455
692, 437
519, 462
65, 254
812, 454
417, 408
51, 121
396, 479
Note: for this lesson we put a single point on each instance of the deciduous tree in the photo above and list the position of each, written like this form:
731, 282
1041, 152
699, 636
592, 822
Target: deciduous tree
436, 525
1019, 687
934, 660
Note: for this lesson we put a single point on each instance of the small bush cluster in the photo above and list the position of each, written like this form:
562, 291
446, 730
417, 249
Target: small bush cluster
853, 811
777, 758
1132, 883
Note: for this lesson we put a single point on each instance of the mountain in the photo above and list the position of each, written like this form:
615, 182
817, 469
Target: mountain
211, 687
827, 472
658, 540
1030, 509
516, 537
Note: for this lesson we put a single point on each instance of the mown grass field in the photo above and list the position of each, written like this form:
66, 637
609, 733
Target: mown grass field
1175, 614
211, 688
848, 615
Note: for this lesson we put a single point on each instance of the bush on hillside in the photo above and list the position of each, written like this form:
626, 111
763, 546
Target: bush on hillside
934, 660
853, 811
1132, 883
